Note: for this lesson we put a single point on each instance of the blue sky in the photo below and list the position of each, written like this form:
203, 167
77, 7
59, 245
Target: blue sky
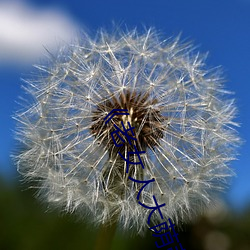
221, 27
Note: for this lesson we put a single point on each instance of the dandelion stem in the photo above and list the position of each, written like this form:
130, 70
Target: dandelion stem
105, 236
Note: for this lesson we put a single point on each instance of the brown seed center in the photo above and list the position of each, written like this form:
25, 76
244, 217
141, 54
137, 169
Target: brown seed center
144, 117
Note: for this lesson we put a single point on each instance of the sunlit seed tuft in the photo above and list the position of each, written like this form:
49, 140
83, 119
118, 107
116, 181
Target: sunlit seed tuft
181, 115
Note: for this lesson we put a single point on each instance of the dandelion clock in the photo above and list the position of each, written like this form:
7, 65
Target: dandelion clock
127, 129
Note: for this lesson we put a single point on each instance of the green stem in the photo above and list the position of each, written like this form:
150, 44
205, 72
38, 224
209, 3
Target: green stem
105, 236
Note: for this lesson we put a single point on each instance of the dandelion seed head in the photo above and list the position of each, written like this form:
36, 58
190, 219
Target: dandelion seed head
182, 118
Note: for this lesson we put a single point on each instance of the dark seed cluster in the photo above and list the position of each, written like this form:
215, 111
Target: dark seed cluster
147, 122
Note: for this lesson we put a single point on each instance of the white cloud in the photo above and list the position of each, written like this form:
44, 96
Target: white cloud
25, 31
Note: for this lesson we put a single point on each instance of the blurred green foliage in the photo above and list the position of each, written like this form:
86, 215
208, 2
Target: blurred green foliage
25, 225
